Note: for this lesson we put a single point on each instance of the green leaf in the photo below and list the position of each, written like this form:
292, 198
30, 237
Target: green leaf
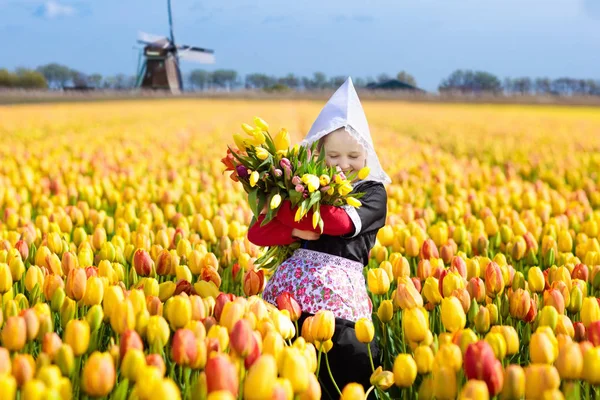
247, 161
314, 198
120, 392
252, 202
295, 197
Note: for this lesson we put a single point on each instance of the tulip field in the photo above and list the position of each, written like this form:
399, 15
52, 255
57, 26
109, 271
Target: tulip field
126, 273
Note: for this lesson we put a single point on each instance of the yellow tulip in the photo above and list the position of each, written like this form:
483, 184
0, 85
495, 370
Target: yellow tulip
262, 153
353, 391
405, 370
353, 202
323, 325
98, 376
415, 324
590, 311
364, 330
261, 123
77, 335
295, 369
385, 312
282, 140
424, 359
364, 172
591, 365
275, 201
260, 381
378, 281
254, 176
453, 314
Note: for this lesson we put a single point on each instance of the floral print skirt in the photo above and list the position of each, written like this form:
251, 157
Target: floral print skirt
321, 281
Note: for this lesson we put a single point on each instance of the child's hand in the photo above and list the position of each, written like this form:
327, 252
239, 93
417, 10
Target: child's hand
306, 235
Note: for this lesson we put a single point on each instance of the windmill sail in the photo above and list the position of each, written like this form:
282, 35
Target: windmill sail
195, 54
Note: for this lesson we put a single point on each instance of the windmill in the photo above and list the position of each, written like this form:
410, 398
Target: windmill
160, 66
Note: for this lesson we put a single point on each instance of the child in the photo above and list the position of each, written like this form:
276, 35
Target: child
327, 271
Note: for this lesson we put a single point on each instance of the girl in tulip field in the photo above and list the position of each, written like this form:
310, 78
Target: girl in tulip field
327, 271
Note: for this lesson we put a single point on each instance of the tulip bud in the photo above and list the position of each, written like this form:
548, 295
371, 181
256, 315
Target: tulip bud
353, 391
546, 377
405, 370
444, 383
14, 333
378, 281
65, 359
253, 282
221, 375
482, 320
385, 312
514, 382
570, 362
590, 311
364, 330
535, 278
415, 324
98, 376
424, 359
453, 315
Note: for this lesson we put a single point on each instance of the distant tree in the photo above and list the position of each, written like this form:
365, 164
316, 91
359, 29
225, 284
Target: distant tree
79, 79
542, 86
467, 81
405, 77
383, 78
522, 85
360, 82
224, 78
7, 79
200, 79
508, 85
337, 81
290, 80
94, 80
319, 80
259, 81
56, 75
29, 79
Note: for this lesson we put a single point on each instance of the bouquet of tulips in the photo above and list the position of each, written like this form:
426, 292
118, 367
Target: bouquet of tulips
271, 172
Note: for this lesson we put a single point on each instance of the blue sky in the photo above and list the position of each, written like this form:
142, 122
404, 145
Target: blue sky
428, 38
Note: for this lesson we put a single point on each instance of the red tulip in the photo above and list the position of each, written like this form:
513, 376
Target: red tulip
481, 363
184, 348
253, 282
221, 375
581, 271
459, 265
241, 338
142, 262
593, 333
285, 301
478, 358
130, 339
429, 250
222, 298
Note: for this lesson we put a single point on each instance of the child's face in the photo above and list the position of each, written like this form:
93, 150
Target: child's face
342, 150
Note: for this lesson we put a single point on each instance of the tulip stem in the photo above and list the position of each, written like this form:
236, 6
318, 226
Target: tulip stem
369, 391
319, 360
370, 357
331, 375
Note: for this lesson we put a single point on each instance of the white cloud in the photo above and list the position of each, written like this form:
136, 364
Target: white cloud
52, 9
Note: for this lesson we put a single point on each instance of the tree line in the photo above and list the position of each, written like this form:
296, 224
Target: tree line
56, 76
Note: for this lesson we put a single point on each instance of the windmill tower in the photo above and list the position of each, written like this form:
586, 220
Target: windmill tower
159, 68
